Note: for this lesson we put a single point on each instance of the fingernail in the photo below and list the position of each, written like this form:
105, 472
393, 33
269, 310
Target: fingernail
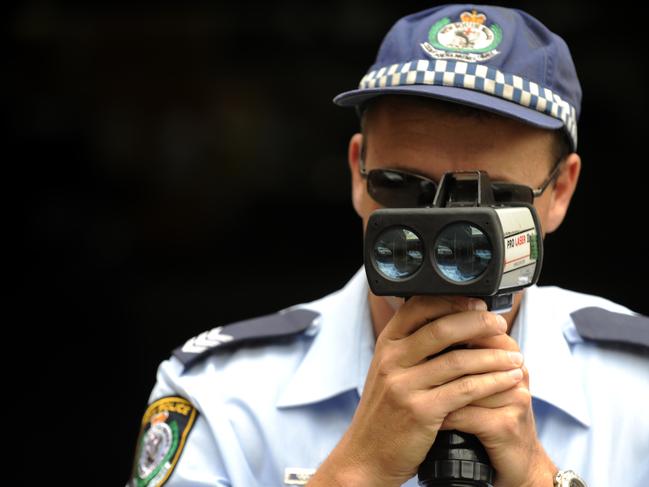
516, 374
477, 305
516, 357
502, 323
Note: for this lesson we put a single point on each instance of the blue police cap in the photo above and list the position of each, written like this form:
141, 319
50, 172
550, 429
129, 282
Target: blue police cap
493, 58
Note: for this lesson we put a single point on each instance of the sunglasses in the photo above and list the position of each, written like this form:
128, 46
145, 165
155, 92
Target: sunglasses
394, 188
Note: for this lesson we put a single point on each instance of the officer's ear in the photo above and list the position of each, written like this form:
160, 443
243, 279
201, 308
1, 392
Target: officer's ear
358, 183
562, 192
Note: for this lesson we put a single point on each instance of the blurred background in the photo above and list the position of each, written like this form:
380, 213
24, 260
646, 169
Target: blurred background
180, 165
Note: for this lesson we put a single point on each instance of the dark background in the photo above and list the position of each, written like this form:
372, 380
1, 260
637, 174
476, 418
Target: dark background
179, 165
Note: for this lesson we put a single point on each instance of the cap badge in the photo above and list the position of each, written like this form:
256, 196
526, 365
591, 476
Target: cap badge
470, 39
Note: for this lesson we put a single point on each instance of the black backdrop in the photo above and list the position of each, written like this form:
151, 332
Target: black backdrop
180, 165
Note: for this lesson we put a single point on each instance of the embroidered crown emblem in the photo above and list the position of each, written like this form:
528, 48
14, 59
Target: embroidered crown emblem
160, 417
473, 16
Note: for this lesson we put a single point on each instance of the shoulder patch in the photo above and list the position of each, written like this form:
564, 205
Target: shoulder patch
599, 324
165, 426
265, 328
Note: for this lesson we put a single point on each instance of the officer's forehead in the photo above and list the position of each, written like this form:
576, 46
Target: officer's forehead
404, 106
401, 114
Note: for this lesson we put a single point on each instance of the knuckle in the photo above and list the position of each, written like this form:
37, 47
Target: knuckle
416, 408
499, 357
494, 381
394, 387
523, 397
383, 343
510, 423
490, 322
460, 303
384, 366
453, 360
486, 320
387, 359
467, 386
436, 331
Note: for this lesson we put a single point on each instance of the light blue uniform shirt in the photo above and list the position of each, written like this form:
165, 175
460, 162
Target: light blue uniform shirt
265, 412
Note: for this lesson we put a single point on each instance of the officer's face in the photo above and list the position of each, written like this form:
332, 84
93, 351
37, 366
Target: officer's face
401, 133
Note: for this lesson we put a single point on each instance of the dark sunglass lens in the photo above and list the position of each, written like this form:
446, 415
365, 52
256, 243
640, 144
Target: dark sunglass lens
396, 189
512, 193
427, 190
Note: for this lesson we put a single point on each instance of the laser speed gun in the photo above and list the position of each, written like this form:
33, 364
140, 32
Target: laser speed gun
479, 238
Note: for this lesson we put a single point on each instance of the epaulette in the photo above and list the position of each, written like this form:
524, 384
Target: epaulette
599, 324
284, 324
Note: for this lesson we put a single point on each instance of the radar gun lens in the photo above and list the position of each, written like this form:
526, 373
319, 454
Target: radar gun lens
398, 253
462, 252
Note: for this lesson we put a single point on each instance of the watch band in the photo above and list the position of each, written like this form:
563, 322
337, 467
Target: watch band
568, 478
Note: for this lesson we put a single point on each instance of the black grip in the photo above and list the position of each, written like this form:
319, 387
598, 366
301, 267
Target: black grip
456, 459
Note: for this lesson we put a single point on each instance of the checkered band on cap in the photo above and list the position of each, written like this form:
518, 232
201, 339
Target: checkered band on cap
476, 77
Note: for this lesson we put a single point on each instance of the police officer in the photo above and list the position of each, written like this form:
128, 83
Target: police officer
341, 391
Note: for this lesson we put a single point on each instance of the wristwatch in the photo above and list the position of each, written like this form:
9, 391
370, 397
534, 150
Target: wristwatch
568, 478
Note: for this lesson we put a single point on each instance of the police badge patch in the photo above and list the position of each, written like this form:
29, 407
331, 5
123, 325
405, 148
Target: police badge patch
165, 426
470, 39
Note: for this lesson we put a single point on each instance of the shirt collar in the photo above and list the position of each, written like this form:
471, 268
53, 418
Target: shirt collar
554, 373
340, 356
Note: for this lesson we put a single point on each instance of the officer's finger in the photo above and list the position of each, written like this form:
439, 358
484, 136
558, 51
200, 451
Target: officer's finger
468, 389
452, 365
420, 310
517, 394
447, 331
503, 341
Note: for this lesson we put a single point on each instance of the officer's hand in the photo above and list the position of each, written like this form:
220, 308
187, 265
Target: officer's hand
407, 397
504, 423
